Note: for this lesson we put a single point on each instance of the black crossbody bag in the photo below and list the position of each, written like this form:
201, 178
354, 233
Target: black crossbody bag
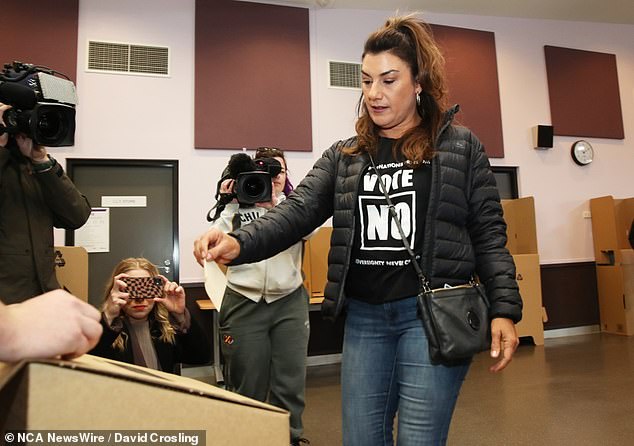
455, 319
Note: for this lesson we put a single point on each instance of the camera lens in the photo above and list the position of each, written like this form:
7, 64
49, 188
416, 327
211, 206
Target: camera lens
254, 186
49, 125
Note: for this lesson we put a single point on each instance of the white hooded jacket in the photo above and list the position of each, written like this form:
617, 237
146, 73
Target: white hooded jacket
270, 279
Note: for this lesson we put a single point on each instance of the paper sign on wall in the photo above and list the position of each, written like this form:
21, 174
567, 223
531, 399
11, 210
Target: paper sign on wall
124, 201
94, 236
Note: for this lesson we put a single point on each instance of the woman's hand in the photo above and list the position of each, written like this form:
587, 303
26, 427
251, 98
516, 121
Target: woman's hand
226, 187
174, 299
216, 245
117, 299
503, 338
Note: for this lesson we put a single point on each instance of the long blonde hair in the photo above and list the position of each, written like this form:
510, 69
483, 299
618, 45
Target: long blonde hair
159, 312
410, 39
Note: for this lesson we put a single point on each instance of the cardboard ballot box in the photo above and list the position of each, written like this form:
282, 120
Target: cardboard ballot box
91, 393
71, 269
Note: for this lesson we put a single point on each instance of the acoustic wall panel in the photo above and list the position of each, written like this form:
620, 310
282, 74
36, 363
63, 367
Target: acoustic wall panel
472, 77
40, 32
252, 83
583, 87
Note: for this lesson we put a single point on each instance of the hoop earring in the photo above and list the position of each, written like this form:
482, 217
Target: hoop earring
418, 99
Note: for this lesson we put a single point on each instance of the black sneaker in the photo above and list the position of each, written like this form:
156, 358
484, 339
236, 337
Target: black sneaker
299, 442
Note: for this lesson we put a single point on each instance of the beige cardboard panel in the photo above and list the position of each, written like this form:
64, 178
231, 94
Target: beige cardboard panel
603, 228
71, 269
529, 281
627, 267
611, 299
93, 396
521, 229
319, 248
306, 269
624, 215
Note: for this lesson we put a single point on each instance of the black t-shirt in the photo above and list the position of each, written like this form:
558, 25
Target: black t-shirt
380, 269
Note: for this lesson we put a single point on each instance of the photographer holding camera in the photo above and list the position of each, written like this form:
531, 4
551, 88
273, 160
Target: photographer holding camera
263, 321
35, 193
35, 196
145, 320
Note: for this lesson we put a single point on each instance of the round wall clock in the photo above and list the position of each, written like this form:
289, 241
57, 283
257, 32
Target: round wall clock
582, 152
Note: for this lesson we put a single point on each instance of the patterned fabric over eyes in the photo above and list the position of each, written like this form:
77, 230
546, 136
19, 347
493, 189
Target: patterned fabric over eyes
143, 287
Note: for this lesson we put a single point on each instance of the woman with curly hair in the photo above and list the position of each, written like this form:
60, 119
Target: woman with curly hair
438, 177
147, 323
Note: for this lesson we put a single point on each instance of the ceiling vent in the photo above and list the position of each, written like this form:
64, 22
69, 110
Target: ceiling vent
128, 58
345, 74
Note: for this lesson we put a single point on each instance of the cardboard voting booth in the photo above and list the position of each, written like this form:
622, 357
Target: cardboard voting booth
71, 269
611, 222
91, 393
521, 232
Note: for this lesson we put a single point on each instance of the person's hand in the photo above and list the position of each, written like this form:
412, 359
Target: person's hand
35, 152
117, 299
216, 245
54, 324
503, 340
226, 187
4, 138
174, 299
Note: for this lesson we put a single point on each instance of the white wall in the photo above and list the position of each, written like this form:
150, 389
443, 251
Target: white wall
123, 116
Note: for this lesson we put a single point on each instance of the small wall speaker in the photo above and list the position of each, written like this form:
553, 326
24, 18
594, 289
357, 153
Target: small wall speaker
543, 136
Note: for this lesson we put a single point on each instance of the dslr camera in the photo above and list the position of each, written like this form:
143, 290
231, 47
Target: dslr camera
43, 104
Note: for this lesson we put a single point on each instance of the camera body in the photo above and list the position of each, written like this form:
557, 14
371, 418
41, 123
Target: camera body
43, 105
253, 177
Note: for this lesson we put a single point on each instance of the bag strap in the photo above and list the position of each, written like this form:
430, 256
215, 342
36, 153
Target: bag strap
424, 283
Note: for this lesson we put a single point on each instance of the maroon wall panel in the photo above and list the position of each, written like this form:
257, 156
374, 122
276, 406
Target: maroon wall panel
583, 87
252, 76
41, 32
472, 74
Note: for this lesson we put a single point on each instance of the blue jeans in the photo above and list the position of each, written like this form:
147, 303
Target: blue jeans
386, 369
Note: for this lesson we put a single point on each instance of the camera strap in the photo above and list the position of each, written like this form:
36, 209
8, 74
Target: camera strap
424, 282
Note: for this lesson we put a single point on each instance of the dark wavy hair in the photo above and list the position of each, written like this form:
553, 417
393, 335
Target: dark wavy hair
410, 39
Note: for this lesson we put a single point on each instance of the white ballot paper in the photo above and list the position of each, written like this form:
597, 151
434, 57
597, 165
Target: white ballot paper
215, 283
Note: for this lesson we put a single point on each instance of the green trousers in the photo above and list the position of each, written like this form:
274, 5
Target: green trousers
264, 347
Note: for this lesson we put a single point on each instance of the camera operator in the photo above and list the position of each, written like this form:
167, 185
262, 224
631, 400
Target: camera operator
35, 196
263, 321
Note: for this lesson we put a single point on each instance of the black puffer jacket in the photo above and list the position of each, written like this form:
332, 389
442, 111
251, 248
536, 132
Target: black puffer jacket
464, 229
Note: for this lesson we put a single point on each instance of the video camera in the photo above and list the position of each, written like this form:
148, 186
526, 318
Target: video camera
43, 104
253, 177
252, 181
